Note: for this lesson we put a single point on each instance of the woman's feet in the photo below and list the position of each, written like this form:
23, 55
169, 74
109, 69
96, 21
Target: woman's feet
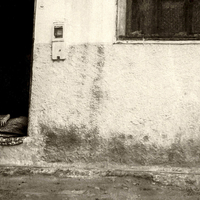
4, 120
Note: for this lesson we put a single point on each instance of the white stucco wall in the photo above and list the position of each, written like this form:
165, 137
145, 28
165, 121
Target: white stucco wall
149, 87
89, 21
149, 93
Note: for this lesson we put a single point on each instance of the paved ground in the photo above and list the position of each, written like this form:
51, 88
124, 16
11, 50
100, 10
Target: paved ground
45, 187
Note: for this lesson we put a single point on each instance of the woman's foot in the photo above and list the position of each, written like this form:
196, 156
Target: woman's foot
4, 120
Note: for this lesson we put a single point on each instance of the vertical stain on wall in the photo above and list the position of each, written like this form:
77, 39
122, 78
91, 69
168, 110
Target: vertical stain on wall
96, 89
81, 68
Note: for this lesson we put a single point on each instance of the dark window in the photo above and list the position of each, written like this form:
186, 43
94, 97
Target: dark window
162, 19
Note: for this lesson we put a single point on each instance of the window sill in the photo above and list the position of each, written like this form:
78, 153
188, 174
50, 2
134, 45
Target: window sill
169, 42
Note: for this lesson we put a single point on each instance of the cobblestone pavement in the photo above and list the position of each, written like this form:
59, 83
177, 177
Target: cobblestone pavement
45, 187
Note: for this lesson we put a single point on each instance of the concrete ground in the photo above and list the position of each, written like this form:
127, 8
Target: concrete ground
52, 187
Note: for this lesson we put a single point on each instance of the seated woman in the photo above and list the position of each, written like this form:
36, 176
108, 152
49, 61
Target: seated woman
11, 110
14, 82
4, 119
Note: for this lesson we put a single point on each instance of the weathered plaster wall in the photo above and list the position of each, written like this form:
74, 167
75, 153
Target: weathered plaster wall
104, 104
123, 103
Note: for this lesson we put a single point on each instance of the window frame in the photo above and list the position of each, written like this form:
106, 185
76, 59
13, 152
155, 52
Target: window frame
121, 29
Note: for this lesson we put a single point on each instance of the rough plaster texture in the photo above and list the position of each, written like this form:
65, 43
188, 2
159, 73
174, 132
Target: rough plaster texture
122, 103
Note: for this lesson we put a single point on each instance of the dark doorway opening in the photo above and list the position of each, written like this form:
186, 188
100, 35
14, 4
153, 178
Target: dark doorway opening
16, 35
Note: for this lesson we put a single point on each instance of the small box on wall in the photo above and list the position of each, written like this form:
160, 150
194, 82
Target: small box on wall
58, 43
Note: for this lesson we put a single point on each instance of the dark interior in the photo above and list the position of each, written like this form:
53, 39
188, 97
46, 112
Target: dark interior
16, 56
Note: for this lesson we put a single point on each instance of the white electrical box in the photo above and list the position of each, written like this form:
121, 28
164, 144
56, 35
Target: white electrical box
58, 43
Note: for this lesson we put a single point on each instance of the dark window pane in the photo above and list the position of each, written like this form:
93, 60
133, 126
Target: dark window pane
172, 18
196, 17
163, 18
141, 19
